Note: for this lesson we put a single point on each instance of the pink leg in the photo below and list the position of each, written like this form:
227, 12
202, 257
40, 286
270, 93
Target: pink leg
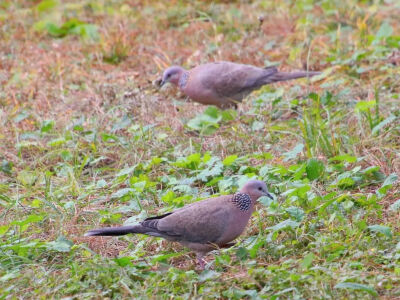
201, 261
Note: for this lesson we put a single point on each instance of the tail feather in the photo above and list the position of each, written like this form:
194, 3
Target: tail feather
115, 231
283, 76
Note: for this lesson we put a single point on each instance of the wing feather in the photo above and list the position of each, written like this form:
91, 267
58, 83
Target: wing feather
203, 223
233, 80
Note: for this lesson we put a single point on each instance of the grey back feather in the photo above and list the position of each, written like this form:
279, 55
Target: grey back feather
236, 81
233, 80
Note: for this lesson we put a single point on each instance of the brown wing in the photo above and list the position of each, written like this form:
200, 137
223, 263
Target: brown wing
203, 222
233, 80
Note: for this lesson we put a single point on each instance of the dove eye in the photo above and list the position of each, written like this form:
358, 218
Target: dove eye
260, 188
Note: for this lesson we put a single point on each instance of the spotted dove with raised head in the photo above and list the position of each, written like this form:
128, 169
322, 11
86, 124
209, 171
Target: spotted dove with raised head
201, 226
225, 84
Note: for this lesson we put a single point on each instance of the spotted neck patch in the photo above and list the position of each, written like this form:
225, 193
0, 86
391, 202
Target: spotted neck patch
183, 80
242, 201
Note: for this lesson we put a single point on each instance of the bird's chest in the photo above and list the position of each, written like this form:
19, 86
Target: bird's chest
196, 89
199, 94
237, 224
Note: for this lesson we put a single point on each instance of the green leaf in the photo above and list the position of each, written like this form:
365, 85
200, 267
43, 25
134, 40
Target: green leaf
124, 261
345, 181
284, 225
72, 26
21, 116
384, 31
307, 261
381, 229
122, 192
86, 31
109, 137
55, 31
139, 186
10, 275
61, 244
136, 218
164, 257
356, 287
242, 253
56, 142
257, 125
371, 170
126, 171
207, 122
266, 201
383, 124
229, 160
4, 229
6, 167
348, 204
212, 112
296, 213
315, 168
392, 178
215, 168
204, 127
387, 184
228, 114
121, 124
330, 199
46, 5
168, 197
395, 206
293, 153
363, 106
207, 275
344, 157
30, 219
101, 184
47, 126
27, 178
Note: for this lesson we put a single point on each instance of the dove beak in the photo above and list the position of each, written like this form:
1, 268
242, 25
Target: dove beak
162, 82
269, 195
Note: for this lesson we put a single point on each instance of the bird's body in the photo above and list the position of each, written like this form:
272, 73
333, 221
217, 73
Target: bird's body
201, 226
225, 84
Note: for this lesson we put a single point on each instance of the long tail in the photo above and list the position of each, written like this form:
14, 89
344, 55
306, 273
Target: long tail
283, 76
115, 231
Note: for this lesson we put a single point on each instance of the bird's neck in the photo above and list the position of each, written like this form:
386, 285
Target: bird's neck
183, 80
242, 201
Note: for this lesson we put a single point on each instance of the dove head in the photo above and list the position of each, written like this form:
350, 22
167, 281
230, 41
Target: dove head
256, 189
172, 75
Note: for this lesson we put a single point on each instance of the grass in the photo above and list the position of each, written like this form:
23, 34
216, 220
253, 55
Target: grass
88, 140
